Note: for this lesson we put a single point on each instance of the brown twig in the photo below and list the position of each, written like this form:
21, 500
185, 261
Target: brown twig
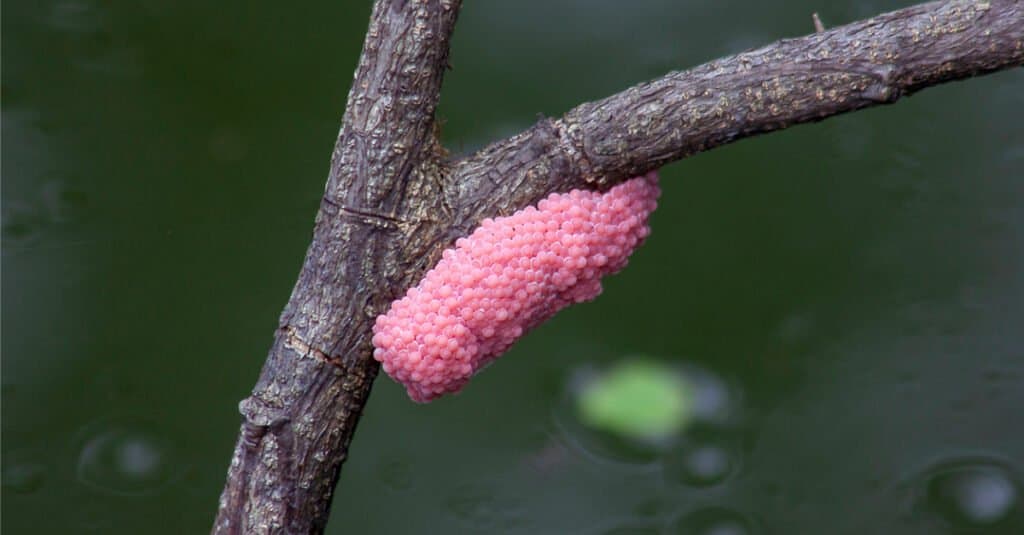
393, 202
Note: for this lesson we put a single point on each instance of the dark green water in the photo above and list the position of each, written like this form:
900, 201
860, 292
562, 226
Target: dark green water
852, 290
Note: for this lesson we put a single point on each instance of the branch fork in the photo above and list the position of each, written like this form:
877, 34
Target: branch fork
393, 201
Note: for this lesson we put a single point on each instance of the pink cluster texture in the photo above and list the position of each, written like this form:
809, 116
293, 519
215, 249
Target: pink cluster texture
510, 275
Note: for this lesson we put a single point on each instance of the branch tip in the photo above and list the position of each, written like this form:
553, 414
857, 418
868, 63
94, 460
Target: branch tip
818, 26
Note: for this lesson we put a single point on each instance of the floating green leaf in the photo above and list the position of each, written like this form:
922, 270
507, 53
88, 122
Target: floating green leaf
637, 398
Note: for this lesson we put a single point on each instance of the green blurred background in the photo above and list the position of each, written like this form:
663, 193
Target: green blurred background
849, 293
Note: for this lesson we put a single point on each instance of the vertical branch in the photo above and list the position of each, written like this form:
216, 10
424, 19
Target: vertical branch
301, 415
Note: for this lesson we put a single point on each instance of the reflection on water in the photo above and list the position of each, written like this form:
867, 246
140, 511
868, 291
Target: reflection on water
714, 401
75, 16
22, 477
27, 221
709, 405
126, 458
701, 464
42, 201
638, 399
396, 475
842, 298
976, 493
482, 510
715, 521
633, 530
22, 224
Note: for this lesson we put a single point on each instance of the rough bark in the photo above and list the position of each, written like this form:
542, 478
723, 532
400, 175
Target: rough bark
299, 420
393, 201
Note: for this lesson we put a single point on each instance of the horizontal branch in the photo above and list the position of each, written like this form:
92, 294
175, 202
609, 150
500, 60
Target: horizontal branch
793, 81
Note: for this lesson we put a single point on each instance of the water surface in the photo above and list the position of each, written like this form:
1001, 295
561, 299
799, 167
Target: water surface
853, 287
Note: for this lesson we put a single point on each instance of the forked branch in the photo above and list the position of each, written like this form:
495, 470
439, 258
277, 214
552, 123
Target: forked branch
393, 202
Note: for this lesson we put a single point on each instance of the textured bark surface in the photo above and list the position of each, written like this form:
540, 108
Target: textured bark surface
384, 184
393, 201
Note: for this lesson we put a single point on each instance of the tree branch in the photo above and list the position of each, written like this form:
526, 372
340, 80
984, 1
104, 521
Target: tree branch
301, 415
393, 203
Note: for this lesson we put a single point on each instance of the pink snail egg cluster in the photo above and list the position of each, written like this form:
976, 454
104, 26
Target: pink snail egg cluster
508, 276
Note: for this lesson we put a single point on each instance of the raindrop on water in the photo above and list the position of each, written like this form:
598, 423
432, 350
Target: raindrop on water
61, 203
633, 530
973, 493
482, 509
700, 465
714, 402
125, 461
395, 475
22, 224
23, 478
715, 521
